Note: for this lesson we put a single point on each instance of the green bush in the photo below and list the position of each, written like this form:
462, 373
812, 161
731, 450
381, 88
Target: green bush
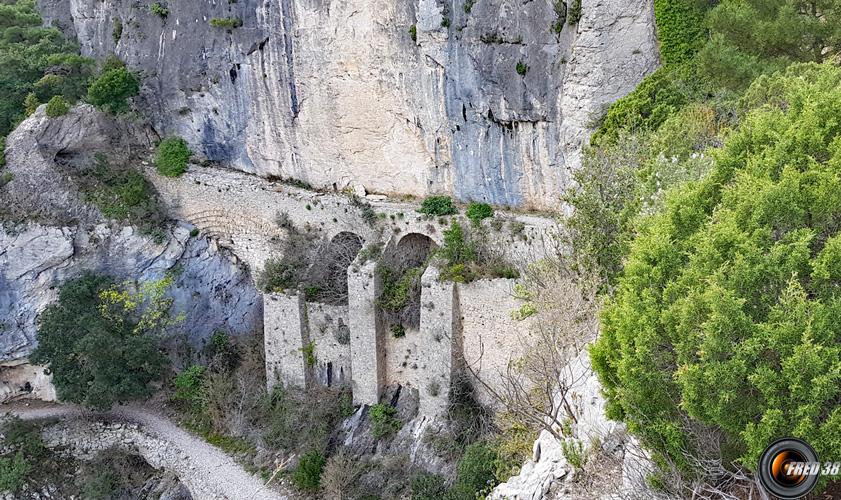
226, 22
727, 308
680, 28
31, 103
122, 193
57, 106
522, 68
100, 349
189, 387
476, 468
13, 472
560, 8
398, 331
112, 89
426, 486
278, 275
574, 14
396, 292
477, 212
307, 476
304, 420
383, 420
309, 353
159, 10
117, 31
438, 205
172, 156
413, 33
457, 248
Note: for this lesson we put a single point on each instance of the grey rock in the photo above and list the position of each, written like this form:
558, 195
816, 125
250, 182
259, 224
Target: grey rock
338, 94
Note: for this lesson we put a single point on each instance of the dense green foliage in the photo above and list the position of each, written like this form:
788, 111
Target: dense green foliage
438, 205
159, 10
122, 193
397, 289
680, 28
171, 157
37, 61
278, 275
112, 89
307, 475
383, 420
226, 22
57, 106
476, 468
100, 348
477, 212
727, 309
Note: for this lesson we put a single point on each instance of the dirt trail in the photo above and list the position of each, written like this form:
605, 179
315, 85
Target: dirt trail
198, 464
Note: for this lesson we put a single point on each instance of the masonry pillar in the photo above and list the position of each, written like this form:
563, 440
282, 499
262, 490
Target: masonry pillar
367, 349
439, 331
285, 339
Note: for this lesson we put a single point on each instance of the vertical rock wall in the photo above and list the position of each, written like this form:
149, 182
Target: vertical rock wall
338, 93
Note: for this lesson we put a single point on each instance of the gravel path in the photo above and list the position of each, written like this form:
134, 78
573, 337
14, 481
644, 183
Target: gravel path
206, 470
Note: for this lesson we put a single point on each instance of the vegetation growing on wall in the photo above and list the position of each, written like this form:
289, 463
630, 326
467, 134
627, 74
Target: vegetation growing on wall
226, 22
438, 206
122, 193
57, 106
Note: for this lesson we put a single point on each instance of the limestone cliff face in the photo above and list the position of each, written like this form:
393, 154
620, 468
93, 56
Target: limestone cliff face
337, 92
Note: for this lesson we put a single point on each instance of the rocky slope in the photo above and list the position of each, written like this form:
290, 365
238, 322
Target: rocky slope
56, 235
339, 93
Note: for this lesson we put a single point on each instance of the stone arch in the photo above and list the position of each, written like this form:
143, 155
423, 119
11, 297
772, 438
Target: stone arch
405, 260
327, 277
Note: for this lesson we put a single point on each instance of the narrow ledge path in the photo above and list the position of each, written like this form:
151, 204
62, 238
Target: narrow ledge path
207, 471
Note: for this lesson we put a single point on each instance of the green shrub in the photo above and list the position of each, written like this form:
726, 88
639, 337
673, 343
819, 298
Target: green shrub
574, 452
307, 476
445, 22
680, 28
426, 486
194, 232
396, 292
24, 437
117, 31
560, 8
522, 68
172, 156
438, 205
731, 283
112, 89
226, 22
574, 13
309, 354
413, 33
57, 106
304, 420
189, 387
99, 347
457, 248
468, 6
397, 331
13, 472
159, 10
31, 103
122, 193
5, 178
383, 420
278, 275
476, 468
476, 212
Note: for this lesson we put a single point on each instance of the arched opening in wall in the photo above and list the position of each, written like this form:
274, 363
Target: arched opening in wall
400, 273
327, 277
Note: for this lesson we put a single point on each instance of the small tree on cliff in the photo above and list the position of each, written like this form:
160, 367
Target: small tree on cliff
111, 91
99, 340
